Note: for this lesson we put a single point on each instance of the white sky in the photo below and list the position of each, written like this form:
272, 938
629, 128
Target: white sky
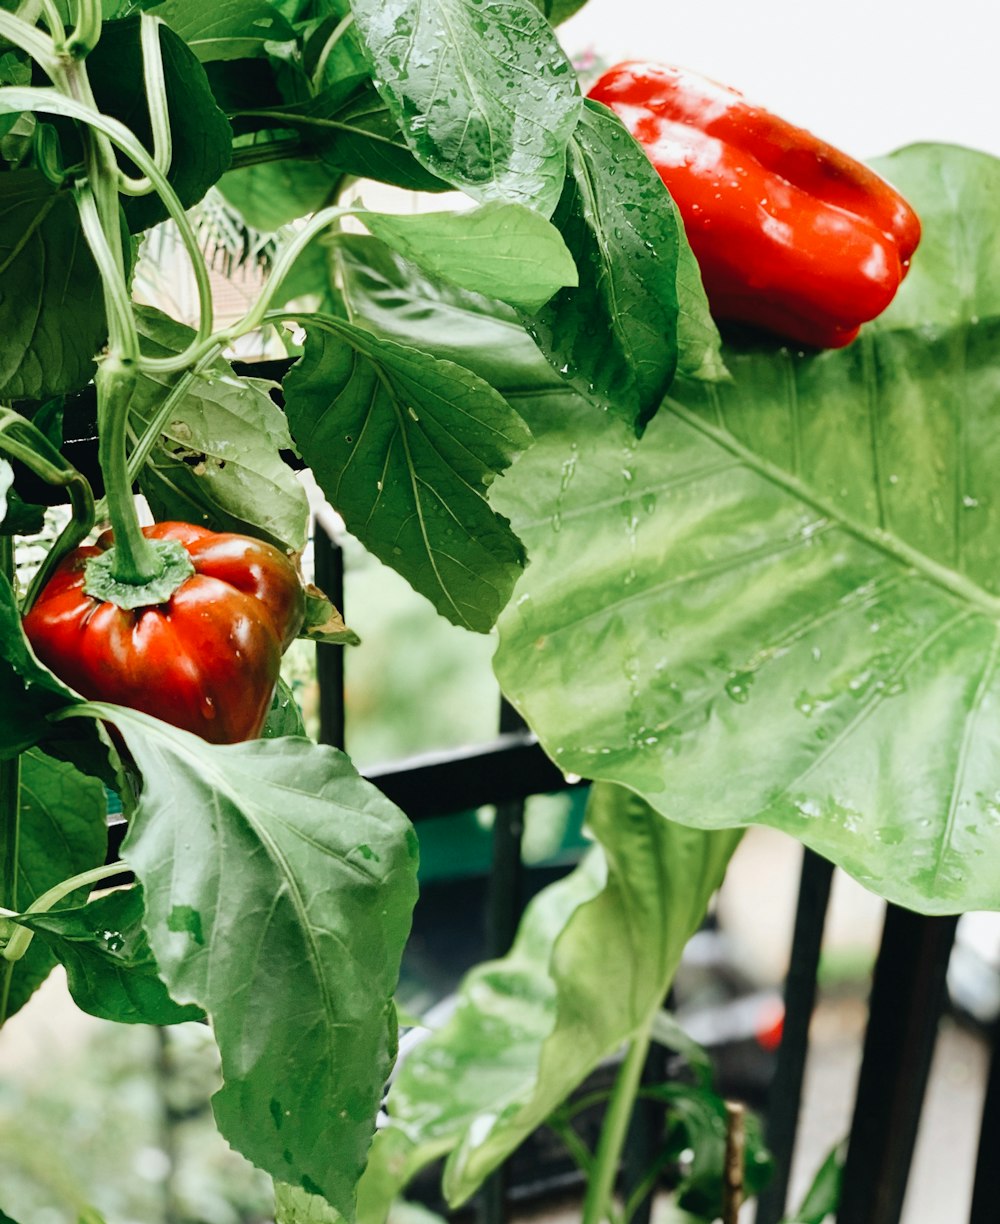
866, 75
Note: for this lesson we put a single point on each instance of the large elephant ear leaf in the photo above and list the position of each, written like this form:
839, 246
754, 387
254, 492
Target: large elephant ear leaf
788, 594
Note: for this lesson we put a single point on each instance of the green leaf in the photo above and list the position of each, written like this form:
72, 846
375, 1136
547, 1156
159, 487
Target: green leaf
393, 298
218, 458
823, 1196
697, 1122
278, 887
323, 623
615, 337
788, 595
481, 89
559, 11
201, 138
292, 1205
110, 968
593, 957
405, 447
51, 309
284, 716
15, 69
62, 833
225, 29
505, 249
271, 194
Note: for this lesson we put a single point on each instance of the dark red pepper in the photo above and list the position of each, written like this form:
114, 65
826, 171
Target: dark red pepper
206, 660
791, 235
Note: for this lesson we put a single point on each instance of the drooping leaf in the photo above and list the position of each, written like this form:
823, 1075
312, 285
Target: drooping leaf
51, 309
787, 595
615, 338
201, 138
481, 89
110, 968
405, 447
225, 29
324, 623
505, 249
593, 958
218, 459
393, 298
282, 841
62, 833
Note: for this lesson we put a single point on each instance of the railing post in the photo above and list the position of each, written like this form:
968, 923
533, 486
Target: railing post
785, 1094
328, 558
907, 997
986, 1190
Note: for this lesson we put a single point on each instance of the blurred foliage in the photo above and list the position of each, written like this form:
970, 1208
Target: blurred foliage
136, 1135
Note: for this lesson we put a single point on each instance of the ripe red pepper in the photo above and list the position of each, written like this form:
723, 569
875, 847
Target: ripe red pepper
791, 235
206, 660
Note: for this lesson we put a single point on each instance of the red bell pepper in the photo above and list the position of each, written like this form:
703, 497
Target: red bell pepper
206, 659
791, 235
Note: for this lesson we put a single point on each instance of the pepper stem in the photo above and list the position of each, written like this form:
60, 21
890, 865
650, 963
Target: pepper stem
136, 561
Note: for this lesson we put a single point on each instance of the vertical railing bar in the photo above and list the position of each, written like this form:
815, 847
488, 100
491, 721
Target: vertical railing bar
329, 569
504, 903
785, 1094
986, 1188
907, 996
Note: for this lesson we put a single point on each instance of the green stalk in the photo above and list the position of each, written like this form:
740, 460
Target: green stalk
337, 34
10, 811
19, 942
87, 33
597, 1205
268, 151
45, 102
135, 562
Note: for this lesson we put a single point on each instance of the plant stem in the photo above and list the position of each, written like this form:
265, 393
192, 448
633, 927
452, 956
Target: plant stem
10, 811
268, 151
597, 1205
20, 940
732, 1184
328, 47
135, 560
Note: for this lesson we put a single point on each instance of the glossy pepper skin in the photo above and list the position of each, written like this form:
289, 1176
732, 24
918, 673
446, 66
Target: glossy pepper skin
206, 660
791, 235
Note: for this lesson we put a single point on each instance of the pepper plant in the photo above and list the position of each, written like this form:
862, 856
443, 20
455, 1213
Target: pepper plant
733, 583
